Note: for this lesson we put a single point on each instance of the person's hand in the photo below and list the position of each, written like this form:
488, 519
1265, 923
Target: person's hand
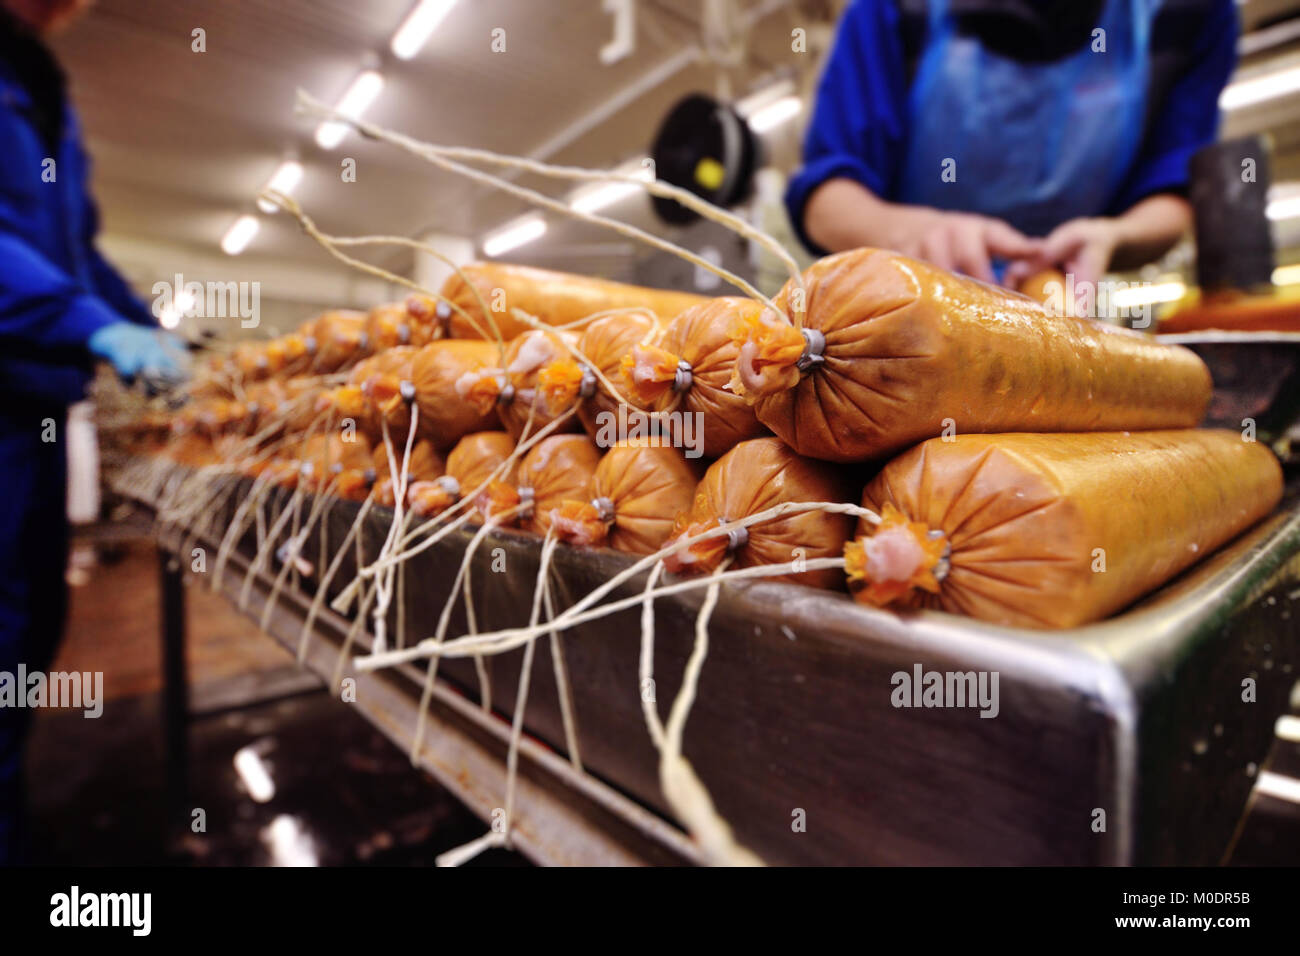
960, 242
137, 351
1081, 247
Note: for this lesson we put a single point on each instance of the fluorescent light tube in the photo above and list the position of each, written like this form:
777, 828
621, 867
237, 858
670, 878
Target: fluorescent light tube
514, 234
363, 91
239, 235
285, 180
419, 26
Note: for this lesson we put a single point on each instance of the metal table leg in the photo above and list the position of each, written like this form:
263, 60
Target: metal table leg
175, 691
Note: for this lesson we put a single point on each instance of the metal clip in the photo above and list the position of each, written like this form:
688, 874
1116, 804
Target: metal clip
684, 377
737, 537
814, 346
944, 564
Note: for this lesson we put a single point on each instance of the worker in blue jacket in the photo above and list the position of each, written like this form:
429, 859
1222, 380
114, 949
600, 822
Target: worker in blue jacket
974, 133
61, 307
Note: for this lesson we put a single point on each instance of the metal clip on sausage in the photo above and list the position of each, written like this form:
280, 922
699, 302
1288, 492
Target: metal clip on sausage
944, 564
737, 538
604, 509
526, 498
814, 346
449, 484
505, 390
683, 377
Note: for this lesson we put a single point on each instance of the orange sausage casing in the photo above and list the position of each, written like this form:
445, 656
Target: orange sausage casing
698, 342
558, 468
555, 298
425, 464
1047, 288
445, 417
752, 477
911, 351
340, 338
1229, 312
529, 357
637, 492
604, 343
469, 466
1057, 530
396, 324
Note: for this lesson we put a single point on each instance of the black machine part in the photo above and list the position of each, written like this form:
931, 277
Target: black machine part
706, 147
1229, 194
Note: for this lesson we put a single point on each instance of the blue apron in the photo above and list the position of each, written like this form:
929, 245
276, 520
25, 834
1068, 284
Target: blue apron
1034, 144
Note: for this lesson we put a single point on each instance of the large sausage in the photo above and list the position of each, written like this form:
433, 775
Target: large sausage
424, 464
911, 352
751, 478
1054, 530
400, 323
555, 298
558, 468
339, 338
604, 343
529, 355
688, 368
1238, 313
435, 372
636, 494
469, 465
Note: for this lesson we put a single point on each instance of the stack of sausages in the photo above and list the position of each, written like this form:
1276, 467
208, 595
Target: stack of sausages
1028, 468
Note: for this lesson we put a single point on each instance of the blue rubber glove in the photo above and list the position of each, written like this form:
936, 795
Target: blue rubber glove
137, 351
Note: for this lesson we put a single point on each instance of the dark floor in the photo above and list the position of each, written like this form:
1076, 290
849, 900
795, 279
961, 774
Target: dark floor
339, 792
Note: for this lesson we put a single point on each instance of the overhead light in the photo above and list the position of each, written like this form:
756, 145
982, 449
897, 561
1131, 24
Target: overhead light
419, 26
592, 199
285, 180
1286, 275
239, 235
1288, 207
355, 101
1147, 294
169, 318
1256, 89
514, 234
774, 114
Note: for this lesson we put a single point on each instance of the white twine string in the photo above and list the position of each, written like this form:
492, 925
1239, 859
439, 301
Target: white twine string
681, 786
441, 156
513, 637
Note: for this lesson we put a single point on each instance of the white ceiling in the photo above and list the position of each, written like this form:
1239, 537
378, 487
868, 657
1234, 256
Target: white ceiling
182, 141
